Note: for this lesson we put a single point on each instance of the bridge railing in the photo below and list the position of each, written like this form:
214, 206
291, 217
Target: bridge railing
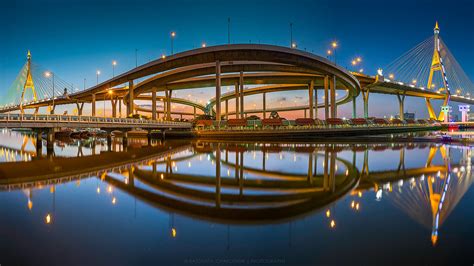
81, 119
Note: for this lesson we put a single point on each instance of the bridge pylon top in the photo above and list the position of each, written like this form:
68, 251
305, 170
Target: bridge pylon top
28, 55
436, 28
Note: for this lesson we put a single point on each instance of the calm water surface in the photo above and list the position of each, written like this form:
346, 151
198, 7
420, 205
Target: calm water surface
240, 203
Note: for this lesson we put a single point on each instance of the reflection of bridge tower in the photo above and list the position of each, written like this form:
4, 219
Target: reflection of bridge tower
430, 199
29, 84
437, 65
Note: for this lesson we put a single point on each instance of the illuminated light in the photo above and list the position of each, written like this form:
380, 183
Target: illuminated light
352, 204
391, 76
359, 194
114, 63
173, 232
293, 45
98, 72
51, 189
378, 195
333, 224
414, 81
334, 44
173, 164
189, 164
354, 62
357, 206
110, 92
48, 218
162, 176
361, 70
358, 59
109, 189
47, 74
329, 52
173, 34
163, 56
98, 190
203, 45
347, 172
328, 213
30, 204
114, 200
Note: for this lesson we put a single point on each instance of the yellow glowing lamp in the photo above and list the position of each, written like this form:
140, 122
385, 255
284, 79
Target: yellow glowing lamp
173, 232
30, 205
48, 218
333, 224
328, 213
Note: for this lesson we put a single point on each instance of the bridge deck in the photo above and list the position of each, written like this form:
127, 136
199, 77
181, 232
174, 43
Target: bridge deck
56, 121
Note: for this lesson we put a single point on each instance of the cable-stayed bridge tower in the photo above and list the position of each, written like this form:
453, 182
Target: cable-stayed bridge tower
437, 66
29, 83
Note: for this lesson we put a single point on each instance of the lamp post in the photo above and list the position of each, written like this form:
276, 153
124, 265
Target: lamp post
114, 63
97, 74
173, 34
334, 46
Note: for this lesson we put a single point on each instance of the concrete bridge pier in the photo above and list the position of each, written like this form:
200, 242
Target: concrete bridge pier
153, 104
51, 110
218, 91
311, 99
109, 140
332, 85
39, 143
80, 107
354, 107
125, 140
131, 98
264, 104
401, 102
50, 141
241, 93
326, 97
365, 97
93, 104
237, 100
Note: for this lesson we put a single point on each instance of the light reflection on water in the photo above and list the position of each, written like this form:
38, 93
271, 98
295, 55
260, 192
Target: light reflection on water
215, 203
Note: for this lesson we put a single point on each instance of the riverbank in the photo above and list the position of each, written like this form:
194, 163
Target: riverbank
307, 133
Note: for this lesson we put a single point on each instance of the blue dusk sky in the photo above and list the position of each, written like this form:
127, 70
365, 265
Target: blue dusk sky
76, 38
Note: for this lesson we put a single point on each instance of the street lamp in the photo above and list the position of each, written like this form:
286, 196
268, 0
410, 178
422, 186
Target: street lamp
173, 34
293, 45
334, 45
114, 63
98, 73
203, 45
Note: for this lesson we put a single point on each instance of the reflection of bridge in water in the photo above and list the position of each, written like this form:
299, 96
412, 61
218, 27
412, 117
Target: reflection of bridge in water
238, 189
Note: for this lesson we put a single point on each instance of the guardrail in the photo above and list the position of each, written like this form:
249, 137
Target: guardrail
292, 126
84, 119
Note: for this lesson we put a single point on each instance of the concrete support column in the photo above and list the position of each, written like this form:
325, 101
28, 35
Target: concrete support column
354, 107
114, 107
241, 94
311, 99
153, 104
80, 107
39, 143
401, 103
93, 104
120, 107
194, 111
50, 140
315, 102
218, 90
131, 97
237, 100
264, 105
326, 97
365, 95
227, 109
332, 85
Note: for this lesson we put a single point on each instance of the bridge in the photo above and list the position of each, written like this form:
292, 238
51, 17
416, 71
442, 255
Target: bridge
429, 71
